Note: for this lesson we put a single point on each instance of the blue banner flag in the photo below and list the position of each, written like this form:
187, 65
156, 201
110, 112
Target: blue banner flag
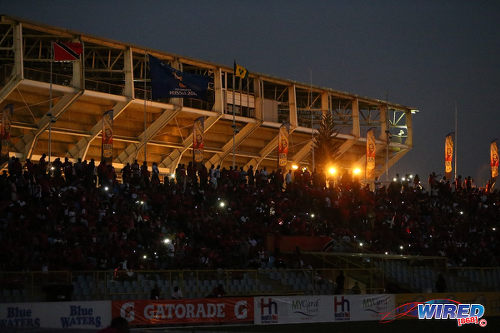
167, 82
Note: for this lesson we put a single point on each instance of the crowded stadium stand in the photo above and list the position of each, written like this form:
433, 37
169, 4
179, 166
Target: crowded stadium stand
153, 224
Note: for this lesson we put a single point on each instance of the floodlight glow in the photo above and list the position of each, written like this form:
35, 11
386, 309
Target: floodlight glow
332, 171
295, 166
144, 257
222, 204
394, 179
312, 215
356, 171
166, 241
361, 244
172, 175
106, 188
401, 247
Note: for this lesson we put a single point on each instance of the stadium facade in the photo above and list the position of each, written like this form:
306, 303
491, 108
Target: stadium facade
115, 75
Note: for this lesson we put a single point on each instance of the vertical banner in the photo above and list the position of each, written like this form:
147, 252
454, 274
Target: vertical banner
283, 145
198, 142
448, 156
5, 132
370, 154
494, 159
107, 137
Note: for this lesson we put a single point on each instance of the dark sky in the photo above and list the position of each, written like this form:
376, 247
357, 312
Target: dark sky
428, 54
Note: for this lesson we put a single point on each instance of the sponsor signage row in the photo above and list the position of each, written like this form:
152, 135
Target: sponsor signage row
250, 310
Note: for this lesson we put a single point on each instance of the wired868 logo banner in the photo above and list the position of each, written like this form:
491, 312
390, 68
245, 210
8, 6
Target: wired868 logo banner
440, 309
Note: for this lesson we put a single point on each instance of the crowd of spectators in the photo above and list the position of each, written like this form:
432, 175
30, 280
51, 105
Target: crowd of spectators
77, 216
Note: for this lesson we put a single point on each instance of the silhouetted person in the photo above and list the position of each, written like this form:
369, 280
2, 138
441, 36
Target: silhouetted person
118, 325
440, 284
340, 283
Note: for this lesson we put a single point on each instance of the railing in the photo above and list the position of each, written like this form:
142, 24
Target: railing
32, 286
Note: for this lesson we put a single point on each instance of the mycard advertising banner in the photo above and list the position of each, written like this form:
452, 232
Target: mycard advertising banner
293, 309
185, 311
363, 307
62, 315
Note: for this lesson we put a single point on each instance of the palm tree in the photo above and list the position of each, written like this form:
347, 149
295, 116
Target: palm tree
324, 144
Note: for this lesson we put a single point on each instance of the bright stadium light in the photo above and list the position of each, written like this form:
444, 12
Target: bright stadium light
356, 171
295, 167
166, 241
332, 171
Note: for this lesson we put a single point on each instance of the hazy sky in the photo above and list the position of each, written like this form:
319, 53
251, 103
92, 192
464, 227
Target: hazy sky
425, 54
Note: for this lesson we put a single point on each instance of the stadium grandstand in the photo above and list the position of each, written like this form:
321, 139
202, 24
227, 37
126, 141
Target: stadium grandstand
154, 225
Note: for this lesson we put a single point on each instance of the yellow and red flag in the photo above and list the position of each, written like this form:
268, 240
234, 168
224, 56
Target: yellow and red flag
5, 131
283, 145
448, 156
370, 154
494, 159
198, 141
107, 136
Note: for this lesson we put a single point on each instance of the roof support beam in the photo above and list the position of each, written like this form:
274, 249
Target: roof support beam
301, 154
273, 144
130, 153
79, 150
238, 139
17, 74
172, 159
27, 142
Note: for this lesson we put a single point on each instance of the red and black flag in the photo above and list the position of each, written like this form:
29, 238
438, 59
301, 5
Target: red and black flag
107, 137
5, 131
67, 51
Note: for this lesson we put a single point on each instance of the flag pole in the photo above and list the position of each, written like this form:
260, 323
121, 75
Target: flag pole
312, 125
145, 96
234, 120
50, 100
456, 138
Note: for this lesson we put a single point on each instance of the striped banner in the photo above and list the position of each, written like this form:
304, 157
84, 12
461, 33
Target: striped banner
198, 140
370, 154
107, 137
283, 145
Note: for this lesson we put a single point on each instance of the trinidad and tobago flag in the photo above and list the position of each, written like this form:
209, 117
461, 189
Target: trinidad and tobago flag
67, 51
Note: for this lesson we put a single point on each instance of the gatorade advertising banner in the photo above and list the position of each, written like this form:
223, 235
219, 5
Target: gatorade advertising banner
185, 311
